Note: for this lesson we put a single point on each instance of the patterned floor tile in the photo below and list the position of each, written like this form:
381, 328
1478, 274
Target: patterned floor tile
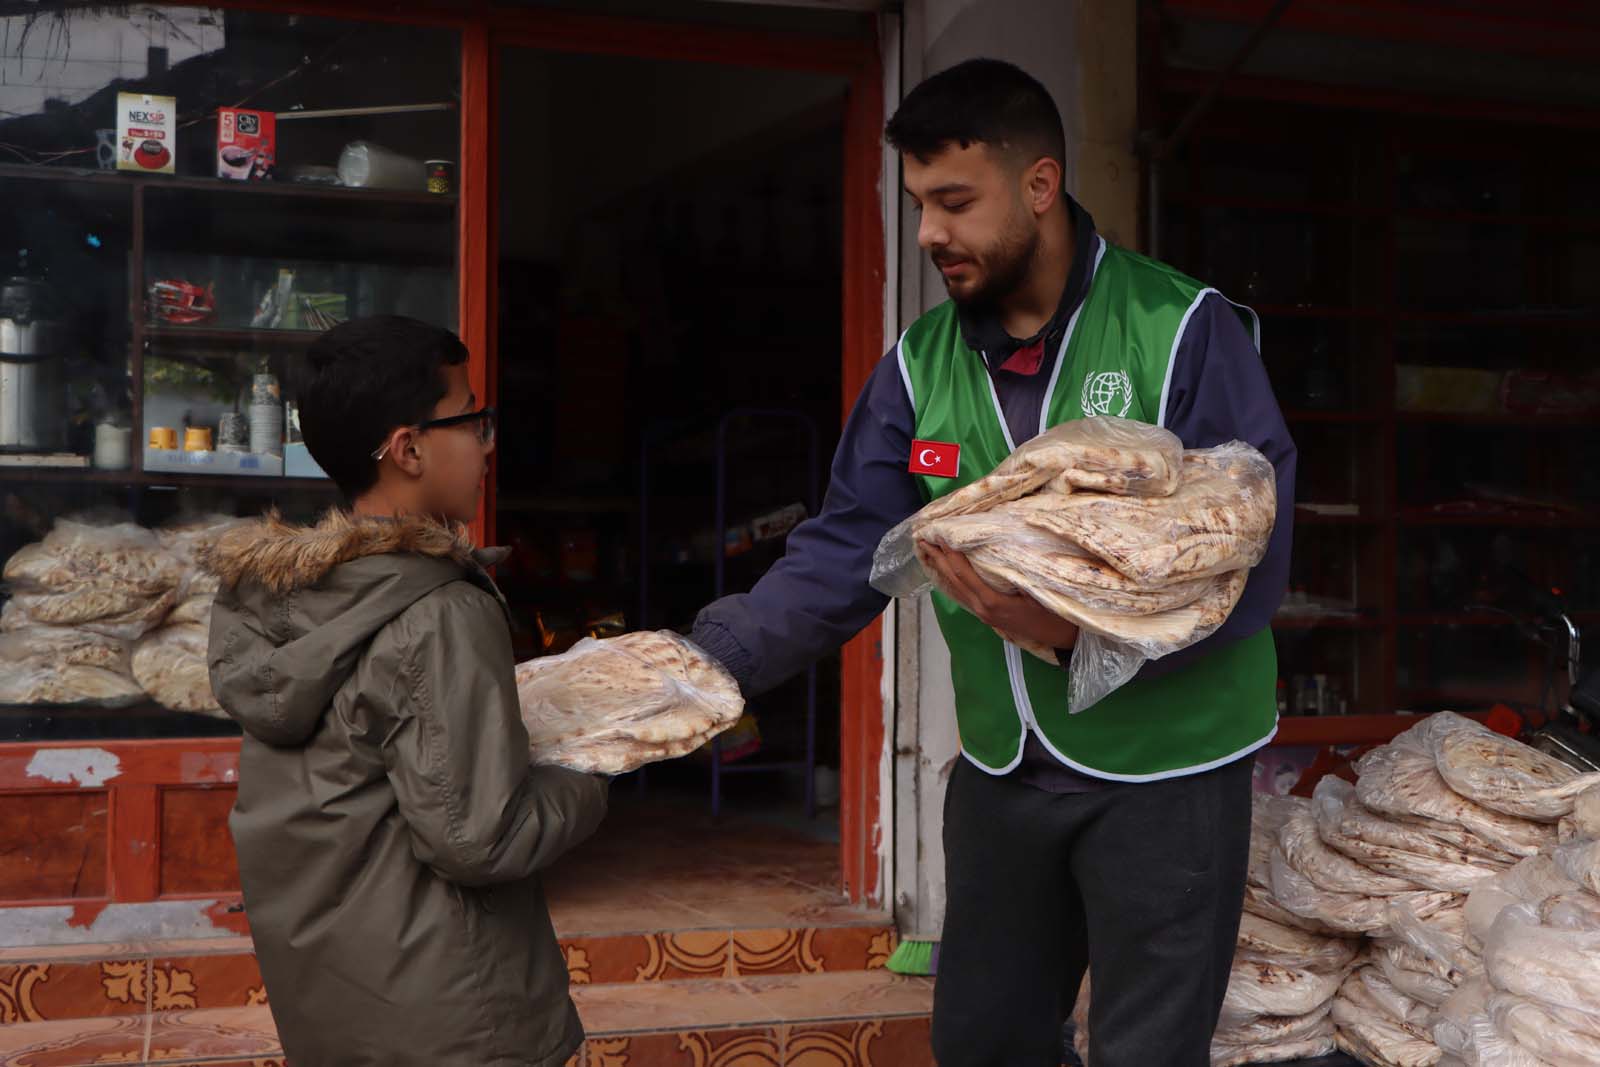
204, 982
73, 1042
689, 1048
236, 1032
864, 1043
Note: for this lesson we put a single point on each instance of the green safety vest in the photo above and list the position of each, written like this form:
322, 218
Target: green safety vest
1116, 359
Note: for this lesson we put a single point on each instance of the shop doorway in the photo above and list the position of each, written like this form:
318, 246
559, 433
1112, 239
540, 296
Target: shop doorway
670, 332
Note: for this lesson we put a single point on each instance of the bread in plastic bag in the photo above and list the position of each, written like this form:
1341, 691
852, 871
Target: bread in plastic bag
191, 541
611, 706
1351, 913
1410, 1013
64, 645
1400, 850
1575, 910
1584, 822
1580, 861
170, 665
1422, 979
1366, 1032
1556, 966
1402, 778
1558, 1036
1503, 774
121, 554
1442, 937
67, 685
1452, 1024
1265, 941
1308, 1040
1121, 455
1493, 1048
1306, 852
1257, 990
1530, 882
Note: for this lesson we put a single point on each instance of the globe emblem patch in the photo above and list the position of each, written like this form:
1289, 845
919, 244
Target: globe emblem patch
1107, 393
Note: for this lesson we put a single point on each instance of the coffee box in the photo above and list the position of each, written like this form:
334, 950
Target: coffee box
247, 144
147, 132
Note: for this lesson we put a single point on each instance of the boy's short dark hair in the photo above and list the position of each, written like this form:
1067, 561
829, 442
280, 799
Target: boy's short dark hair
360, 380
981, 101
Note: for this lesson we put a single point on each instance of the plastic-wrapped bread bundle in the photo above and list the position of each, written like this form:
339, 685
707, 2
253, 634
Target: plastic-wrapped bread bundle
1269, 814
1529, 882
1351, 913
1442, 937
1503, 774
1107, 523
1111, 455
1411, 1014
1554, 966
1270, 1040
1304, 850
1493, 1048
1366, 1031
612, 706
1258, 990
170, 665
1580, 861
1414, 974
1578, 910
1562, 1037
1265, 941
76, 553
64, 666
1584, 822
1402, 779
1453, 1022
190, 542
113, 579
1400, 850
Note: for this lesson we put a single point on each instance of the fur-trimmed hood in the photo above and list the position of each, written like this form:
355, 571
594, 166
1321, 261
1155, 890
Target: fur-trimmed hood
282, 557
299, 605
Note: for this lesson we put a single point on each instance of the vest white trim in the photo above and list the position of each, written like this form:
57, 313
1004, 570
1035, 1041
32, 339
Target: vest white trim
1178, 772
1172, 357
1066, 339
905, 374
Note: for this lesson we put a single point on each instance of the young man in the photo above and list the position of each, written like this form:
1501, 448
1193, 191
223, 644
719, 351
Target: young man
1117, 838
389, 829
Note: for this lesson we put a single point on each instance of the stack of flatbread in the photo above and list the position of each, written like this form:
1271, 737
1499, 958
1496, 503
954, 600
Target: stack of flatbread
1111, 525
110, 613
612, 706
115, 580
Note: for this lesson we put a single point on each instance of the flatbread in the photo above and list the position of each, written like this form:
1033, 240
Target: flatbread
170, 664
612, 706
1503, 774
1398, 779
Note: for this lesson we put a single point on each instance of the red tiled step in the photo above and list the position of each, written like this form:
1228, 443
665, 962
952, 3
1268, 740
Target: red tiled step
107, 981
860, 1019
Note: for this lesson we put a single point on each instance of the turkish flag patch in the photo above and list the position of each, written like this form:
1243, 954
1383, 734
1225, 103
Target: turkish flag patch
937, 458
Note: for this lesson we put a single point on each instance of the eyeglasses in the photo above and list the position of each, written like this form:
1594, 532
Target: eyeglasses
485, 419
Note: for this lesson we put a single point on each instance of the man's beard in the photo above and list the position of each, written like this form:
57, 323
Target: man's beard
1005, 267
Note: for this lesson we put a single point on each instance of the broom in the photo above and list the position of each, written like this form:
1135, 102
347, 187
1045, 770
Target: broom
915, 957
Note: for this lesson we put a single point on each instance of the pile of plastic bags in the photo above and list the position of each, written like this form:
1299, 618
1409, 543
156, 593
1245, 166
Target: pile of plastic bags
108, 614
1111, 525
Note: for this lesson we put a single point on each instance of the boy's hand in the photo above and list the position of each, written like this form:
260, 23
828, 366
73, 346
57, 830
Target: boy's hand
1016, 616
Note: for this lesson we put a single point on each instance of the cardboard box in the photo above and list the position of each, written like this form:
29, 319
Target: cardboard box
147, 133
247, 144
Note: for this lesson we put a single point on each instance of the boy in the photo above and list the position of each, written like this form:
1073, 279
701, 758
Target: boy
389, 827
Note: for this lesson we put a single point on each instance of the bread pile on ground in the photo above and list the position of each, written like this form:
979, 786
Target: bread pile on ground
107, 614
1443, 910
612, 706
1111, 525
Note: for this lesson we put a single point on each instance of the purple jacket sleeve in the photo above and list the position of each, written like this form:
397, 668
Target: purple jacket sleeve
816, 597
1220, 393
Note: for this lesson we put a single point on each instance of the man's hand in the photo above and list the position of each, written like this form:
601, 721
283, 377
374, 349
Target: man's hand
1015, 616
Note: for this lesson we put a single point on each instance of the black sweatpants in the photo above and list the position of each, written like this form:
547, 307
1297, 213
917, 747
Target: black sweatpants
1142, 883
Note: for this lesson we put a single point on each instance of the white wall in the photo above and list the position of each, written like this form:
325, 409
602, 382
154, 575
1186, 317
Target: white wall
1083, 51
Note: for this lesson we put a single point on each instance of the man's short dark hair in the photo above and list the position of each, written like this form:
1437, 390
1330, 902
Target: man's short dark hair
981, 101
361, 380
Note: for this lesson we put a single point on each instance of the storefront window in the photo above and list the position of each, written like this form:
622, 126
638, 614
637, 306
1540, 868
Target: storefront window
1428, 291
187, 196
